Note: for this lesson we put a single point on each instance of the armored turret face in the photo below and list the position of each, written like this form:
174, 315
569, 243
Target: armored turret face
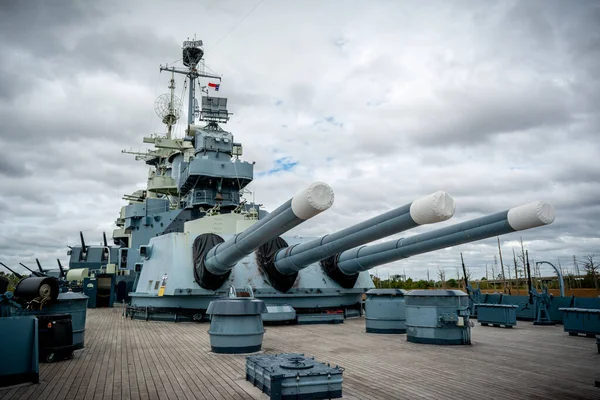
218, 257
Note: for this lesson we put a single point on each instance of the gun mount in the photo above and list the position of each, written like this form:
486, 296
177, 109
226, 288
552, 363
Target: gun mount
217, 257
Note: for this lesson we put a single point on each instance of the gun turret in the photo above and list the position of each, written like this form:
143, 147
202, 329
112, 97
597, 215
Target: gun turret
344, 267
283, 268
35, 273
14, 273
215, 258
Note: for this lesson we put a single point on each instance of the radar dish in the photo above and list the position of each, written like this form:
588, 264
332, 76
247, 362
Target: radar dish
168, 108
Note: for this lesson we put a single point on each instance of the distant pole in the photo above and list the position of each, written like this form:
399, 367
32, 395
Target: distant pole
529, 278
462, 260
523, 255
494, 276
576, 266
502, 265
516, 273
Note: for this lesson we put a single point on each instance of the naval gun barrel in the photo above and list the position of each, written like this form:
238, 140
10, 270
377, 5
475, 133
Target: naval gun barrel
436, 207
14, 273
35, 273
220, 259
527, 216
60, 268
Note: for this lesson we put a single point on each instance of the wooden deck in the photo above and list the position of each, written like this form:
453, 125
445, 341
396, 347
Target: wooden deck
126, 359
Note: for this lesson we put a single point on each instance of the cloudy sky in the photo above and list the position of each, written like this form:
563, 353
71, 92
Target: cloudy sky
493, 102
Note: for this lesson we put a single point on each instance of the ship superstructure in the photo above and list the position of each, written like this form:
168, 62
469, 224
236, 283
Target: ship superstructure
191, 177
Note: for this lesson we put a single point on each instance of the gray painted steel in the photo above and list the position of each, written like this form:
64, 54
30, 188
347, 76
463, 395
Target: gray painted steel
561, 282
385, 311
497, 314
236, 325
320, 318
295, 258
279, 313
223, 257
437, 317
367, 257
294, 376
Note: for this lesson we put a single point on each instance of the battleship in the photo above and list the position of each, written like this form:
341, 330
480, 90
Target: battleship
191, 238
191, 234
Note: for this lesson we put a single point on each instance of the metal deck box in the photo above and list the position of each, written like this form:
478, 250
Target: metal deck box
581, 320
497, 314
55, 337
385, 311
294, 376
437, 317
19, 349
236, 325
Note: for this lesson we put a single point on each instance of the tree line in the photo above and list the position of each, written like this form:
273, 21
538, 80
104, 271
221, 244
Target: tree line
583, 274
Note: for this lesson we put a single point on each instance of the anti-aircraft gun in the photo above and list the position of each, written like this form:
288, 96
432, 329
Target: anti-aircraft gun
35, 290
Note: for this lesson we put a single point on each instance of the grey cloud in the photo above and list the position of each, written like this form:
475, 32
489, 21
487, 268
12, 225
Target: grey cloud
11, 166
475, 113
493, 102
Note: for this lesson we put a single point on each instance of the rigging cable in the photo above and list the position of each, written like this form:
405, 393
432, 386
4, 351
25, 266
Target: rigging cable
236, 25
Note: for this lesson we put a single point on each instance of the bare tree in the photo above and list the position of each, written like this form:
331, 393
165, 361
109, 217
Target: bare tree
442, 276
565, 273
458, 280
592, 267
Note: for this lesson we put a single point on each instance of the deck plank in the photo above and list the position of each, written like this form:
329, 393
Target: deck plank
134, 360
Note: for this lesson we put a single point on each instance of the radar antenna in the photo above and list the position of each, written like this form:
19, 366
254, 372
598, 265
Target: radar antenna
168, 107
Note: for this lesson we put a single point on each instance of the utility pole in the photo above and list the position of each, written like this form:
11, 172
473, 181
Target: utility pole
576, 266
502, 266
516, 273
494, 276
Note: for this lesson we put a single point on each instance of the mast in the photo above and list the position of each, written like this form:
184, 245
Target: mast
171, 117
192, 55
